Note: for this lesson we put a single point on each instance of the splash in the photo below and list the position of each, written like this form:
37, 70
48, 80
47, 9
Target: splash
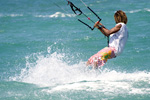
54, 72
108, 82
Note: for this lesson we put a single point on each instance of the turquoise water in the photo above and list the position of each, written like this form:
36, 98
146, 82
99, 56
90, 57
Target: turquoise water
43, 51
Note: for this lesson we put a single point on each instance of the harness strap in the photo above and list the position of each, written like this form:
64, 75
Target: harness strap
108, 41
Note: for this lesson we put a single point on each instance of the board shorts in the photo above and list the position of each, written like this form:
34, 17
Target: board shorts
102, 56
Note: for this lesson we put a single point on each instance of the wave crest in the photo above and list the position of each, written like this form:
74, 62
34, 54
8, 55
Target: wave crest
57, 14
138, 10
11, 15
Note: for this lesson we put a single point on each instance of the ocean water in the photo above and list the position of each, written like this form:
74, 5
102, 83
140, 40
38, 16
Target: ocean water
43, 50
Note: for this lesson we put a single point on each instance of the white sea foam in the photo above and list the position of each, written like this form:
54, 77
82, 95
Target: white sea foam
110, 83
55, 15
147, 9
51, 71
10, 15
138, 10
